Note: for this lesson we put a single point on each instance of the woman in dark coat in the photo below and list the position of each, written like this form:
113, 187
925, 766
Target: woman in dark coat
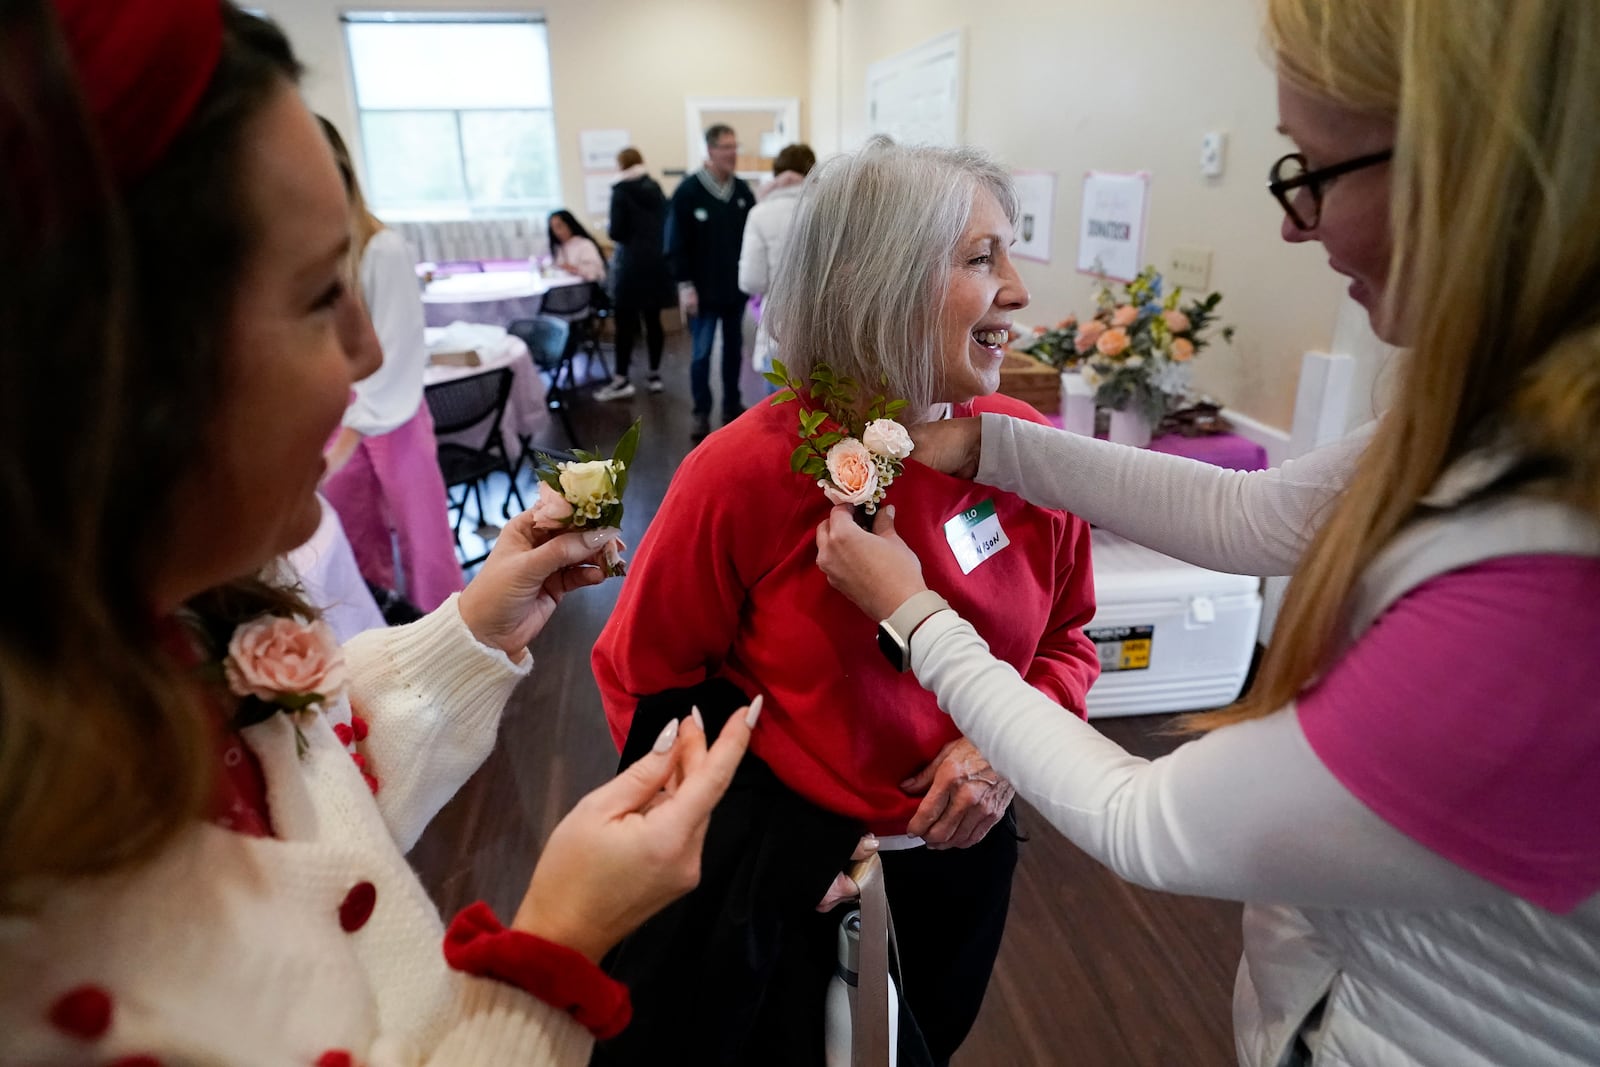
643, 287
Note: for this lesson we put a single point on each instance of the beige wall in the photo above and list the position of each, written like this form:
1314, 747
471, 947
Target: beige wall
1075, 86
1057, 85
614, 63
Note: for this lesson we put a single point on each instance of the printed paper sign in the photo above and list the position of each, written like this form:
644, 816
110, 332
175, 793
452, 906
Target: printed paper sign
1036, 197
599, 148
1111, 233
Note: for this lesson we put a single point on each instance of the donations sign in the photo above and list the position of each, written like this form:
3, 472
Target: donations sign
1111, 234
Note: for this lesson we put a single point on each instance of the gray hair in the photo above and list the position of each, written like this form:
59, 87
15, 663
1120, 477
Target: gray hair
868, 263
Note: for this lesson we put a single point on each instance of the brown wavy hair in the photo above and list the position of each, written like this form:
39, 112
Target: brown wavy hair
1494, 276
110, 353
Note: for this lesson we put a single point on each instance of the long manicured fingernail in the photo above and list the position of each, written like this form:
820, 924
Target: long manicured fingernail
890, 510
870, 843
694, 713
668, 734
596, 538
754, 712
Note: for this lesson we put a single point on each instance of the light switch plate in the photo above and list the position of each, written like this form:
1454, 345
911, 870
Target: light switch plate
1190, 267
1213, 154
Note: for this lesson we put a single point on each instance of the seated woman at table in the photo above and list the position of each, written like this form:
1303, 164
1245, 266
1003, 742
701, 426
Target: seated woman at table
724, 599
383, 467
1405, 796
574, 250
204, 804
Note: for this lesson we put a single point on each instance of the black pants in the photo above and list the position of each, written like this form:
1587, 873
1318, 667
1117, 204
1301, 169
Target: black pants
737, 971
627, 317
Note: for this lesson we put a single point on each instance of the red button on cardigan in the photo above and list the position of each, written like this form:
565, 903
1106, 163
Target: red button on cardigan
335, 1057
357, 906
82, 1012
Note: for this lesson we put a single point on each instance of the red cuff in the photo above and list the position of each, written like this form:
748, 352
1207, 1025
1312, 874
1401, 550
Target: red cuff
477, 944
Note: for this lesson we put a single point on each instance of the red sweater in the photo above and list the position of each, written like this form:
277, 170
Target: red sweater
725, 583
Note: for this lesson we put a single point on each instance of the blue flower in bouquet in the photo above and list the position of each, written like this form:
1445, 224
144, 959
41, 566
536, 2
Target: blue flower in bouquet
1137, 349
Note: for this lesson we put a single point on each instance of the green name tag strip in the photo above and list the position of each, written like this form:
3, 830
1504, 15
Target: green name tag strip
975, 535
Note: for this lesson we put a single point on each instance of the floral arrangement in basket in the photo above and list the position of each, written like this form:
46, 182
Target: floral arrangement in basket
587, 493
854, 455
1137, 349
1053, 345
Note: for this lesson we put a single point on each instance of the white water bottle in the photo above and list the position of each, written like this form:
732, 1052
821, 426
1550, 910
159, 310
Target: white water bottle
840, 1006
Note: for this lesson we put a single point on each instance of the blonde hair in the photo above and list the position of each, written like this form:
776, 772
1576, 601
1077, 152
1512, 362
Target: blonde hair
363, 223
1495, 270
863, 278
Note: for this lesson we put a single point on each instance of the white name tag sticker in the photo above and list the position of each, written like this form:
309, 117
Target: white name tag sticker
975, 535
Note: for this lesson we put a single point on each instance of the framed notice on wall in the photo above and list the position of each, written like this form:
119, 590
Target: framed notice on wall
915, 97
1111, 232
1036, 201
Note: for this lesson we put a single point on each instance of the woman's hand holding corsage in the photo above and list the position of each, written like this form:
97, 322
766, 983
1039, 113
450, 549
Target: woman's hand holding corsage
876, 570
527, 573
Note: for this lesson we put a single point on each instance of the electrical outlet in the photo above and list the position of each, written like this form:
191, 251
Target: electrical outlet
1190, 267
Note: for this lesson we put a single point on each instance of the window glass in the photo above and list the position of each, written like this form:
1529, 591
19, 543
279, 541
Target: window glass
455, 114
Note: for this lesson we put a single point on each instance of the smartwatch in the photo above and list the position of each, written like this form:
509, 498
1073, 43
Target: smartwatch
894, 633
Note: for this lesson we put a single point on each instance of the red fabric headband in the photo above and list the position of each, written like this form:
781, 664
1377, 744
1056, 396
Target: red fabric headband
143, 65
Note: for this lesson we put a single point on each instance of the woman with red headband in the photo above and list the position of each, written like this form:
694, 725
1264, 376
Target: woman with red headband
204, 802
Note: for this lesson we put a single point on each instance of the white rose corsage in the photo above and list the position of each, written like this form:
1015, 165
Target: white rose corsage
586, 493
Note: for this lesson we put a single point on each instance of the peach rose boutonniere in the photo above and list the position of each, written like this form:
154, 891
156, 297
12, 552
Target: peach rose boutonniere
586, 492
276, 663
854, 459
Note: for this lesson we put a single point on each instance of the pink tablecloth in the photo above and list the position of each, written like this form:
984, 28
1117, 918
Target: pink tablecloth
526, 413
1222, 449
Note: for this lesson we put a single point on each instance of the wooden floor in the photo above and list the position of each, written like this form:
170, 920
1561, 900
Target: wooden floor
1093, 971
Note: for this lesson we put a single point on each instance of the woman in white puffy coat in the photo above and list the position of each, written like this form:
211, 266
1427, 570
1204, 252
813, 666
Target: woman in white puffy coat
766, 234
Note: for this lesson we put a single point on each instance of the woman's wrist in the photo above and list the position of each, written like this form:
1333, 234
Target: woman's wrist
475, 943
547, 924
895, 599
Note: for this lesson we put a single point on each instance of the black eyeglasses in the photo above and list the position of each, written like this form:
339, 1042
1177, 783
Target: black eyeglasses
1289, 175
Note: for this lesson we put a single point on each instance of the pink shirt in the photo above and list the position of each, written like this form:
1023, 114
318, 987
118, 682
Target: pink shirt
1468, 717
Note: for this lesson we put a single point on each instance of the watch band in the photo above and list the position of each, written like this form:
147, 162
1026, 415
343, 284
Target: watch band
913, 613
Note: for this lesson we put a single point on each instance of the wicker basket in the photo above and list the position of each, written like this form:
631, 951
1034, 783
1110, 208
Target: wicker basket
1032, 382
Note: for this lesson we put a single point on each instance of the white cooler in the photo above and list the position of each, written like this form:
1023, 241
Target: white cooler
1171, 636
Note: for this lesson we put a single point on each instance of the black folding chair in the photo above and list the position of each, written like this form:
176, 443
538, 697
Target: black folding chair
579, 306
477, 401
552, 363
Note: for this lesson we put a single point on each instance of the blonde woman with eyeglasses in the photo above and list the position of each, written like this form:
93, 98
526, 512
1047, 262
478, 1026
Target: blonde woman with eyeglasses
1406, 798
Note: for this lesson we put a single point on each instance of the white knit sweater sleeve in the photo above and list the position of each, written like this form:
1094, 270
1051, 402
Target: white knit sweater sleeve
1243, 522
432, 695
1247, 812
500, 1026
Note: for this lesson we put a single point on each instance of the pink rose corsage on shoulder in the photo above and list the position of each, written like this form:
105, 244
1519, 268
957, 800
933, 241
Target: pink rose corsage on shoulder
281, 664
854, 458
